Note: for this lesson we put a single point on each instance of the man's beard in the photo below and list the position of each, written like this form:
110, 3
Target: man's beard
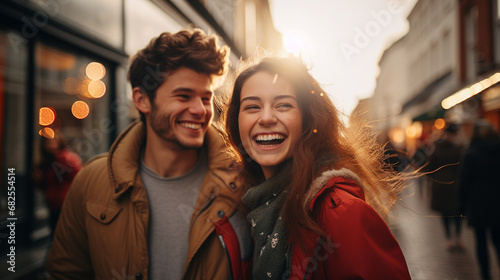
161, 127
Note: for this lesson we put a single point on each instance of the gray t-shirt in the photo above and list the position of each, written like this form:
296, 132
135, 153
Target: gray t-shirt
171, 204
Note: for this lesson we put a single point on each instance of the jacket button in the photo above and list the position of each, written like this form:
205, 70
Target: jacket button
232, 185
138, 276
103, 217
221, 213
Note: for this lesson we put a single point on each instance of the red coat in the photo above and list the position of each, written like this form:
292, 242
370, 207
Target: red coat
359, 244
58, 176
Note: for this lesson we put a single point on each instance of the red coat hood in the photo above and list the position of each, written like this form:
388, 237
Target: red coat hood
343, 179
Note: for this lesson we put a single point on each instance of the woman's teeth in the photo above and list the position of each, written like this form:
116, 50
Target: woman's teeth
269, 137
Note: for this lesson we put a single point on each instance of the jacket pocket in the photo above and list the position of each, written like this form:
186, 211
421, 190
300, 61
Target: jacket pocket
102, 213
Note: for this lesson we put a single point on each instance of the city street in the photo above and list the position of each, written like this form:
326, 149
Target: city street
420, 233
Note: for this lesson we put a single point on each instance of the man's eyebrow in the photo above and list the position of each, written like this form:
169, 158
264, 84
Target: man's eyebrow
181, 89
190, 90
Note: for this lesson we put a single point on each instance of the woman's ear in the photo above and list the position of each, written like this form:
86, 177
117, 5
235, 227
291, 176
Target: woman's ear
141, 100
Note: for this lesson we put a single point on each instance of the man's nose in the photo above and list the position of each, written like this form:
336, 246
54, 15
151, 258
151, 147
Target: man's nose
198, 107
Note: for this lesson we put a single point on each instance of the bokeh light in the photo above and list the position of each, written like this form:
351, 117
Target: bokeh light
47, 116
397, 135
80, 110
97, 89
414, 130
47, 132
439, 123
466, 93
95, 71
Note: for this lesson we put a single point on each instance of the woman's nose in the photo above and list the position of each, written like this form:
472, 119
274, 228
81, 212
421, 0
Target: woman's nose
267, 118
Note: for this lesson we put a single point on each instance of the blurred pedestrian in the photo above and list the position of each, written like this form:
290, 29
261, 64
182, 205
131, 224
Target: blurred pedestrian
311, 176
480, 189
443, 166
55, 173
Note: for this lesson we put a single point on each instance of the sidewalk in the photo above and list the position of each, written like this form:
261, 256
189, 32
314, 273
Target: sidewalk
421, 236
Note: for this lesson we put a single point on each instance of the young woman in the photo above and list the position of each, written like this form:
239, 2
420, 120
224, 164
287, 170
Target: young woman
315, 182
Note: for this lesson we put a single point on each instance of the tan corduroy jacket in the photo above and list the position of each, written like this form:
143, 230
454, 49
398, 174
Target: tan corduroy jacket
103, 229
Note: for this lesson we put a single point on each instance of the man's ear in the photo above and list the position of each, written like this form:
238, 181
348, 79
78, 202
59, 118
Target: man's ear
141, 100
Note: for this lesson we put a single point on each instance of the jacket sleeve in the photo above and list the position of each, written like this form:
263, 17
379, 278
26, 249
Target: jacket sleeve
69, 256
363, 245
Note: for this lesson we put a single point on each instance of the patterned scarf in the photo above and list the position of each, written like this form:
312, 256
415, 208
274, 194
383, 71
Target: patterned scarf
268, 228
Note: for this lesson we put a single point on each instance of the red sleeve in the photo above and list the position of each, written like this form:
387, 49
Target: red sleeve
74, 164
364, 247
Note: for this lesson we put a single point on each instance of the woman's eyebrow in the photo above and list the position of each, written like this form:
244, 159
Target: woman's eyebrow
284, 96
275, 98
250, 98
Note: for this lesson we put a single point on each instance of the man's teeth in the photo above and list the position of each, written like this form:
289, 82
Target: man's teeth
191, 125
269, 137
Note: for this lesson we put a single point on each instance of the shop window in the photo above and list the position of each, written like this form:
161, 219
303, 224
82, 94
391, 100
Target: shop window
71, 100
75, 87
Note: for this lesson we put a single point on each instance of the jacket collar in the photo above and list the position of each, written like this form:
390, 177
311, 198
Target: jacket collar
342, 178
124, 156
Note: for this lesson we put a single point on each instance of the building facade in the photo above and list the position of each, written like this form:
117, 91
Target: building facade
451, 60
416, 73
433, 71
390, 92
479, 56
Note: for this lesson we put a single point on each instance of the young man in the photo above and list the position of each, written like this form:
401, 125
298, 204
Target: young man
162, 204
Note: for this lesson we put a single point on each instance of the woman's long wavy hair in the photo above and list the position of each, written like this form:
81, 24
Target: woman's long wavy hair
323, 133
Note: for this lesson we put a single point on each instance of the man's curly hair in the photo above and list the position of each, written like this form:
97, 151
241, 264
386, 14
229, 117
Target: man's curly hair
193, 49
